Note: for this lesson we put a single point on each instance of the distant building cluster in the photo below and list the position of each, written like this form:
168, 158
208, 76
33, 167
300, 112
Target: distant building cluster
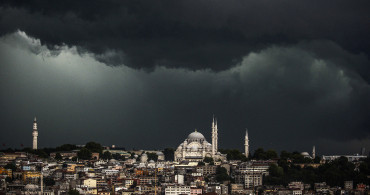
197, 167
138, 175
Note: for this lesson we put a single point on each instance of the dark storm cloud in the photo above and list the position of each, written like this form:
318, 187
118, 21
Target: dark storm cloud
289, 97
295, 73
188, 33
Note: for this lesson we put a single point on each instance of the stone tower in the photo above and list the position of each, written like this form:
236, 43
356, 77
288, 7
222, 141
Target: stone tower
34, 134
246, 144
214, 137
313, 152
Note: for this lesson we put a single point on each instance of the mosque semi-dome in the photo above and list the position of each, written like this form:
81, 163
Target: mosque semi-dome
195, 136
306, 155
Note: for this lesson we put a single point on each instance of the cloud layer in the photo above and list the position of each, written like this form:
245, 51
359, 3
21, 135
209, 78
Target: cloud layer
191, 34
289, 97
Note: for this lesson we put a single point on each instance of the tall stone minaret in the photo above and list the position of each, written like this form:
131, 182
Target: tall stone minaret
34, 134
246, 144
214, 137
313, 152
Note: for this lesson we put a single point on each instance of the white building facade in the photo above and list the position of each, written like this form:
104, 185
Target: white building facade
175, 190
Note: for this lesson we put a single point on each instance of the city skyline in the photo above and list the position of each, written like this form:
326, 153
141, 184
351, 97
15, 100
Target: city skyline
145, 74
214, 129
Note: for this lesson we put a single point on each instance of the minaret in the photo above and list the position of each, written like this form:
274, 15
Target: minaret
246, 144
34, 134
214, 137
313, 152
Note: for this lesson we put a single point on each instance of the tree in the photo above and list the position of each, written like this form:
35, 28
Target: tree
48, 181
66, 147
276, 171
10, 166
106, 155
73, 192
8, 179
152, 156
271, 154
299, 158
27, 150
84, 154
221, 174
94, 147
233, 154
9, 150
284, 155
364, 171
58, 156
41, 153
201, 163
365, 166
118, 156
169, 154
208, 160
317, 159
275, 177
260, 154
334, 173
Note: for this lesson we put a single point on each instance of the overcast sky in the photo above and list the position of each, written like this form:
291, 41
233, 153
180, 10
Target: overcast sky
144, 74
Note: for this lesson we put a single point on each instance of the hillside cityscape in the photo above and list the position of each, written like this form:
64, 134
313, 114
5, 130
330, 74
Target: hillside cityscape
184, 97
194, 167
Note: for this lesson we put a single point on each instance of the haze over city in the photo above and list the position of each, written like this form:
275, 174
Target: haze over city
145, 74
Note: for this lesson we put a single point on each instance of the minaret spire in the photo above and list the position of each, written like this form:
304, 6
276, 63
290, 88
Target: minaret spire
246, 143
313, 152
214, 137
34, 134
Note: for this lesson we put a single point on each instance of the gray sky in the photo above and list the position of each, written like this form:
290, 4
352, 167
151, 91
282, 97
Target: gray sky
146, 74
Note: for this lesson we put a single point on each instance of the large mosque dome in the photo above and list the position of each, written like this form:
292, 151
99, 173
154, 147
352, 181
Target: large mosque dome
195, 136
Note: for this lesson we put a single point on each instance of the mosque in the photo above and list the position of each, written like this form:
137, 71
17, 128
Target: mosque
196, 147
